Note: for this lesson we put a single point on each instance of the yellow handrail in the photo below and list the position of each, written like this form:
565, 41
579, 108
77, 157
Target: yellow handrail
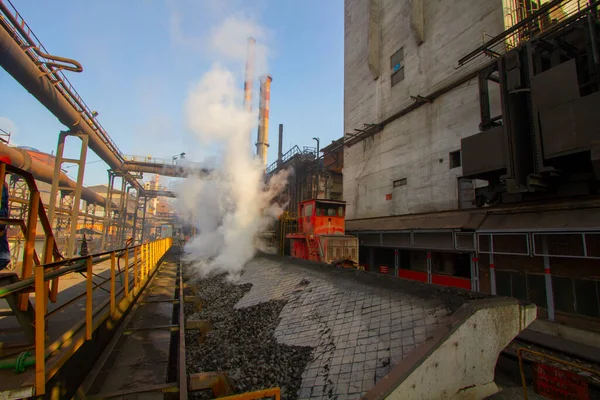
259, 394
148, 254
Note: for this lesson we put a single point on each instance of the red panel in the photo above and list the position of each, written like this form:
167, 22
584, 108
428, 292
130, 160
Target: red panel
299, 248
555, 383
453, 281
383, 269
413, 275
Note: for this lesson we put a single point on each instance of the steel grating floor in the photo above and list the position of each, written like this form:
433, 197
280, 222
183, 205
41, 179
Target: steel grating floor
359, 325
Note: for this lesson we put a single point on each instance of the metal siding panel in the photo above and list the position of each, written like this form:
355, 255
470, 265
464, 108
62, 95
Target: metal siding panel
480, 152
555, 86
558, 130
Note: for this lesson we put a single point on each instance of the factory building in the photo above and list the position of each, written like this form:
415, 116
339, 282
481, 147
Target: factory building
471, 147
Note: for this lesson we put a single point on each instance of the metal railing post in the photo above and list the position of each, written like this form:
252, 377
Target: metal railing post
112, 283
40, 331
127, 272
135, 267
144, 262
88, 299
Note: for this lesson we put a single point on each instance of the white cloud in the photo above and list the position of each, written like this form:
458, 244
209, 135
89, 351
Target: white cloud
9, 126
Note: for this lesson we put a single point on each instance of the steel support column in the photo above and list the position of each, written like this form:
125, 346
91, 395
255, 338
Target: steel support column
78, 187
548, 279
73, 211
135, 217
108, 210
474, 272
122, 214
492, 267
144, 219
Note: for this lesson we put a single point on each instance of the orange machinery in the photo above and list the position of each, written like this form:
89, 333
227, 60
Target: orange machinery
322, 235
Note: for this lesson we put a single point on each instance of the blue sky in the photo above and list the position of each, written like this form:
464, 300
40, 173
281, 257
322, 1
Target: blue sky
140, 58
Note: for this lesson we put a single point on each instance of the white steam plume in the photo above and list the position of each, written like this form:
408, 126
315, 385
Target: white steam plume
231, 205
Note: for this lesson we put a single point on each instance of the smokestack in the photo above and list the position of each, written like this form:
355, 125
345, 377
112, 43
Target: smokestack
280, 147
249, 72
262, 142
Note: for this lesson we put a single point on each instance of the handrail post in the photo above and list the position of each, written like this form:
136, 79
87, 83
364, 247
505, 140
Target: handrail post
144, 261
88, 299
40, 331
127, 272
135, 267
112, 283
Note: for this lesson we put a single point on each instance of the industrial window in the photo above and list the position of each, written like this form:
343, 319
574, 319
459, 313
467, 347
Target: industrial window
397, 66
400, 182
330, 211
308, 210
455, 159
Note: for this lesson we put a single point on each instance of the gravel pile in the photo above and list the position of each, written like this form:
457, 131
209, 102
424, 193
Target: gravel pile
242, 341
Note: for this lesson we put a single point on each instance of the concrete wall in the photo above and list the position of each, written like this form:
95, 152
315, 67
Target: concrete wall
415, 146
458, 362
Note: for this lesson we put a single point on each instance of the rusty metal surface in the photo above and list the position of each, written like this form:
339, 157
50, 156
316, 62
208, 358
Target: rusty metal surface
359, 329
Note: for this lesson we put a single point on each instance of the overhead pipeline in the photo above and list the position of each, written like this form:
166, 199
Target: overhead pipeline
25, 71
44, 172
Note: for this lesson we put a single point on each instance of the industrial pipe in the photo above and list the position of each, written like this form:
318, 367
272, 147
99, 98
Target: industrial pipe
16, 62
44, 172
262, 142
24, 70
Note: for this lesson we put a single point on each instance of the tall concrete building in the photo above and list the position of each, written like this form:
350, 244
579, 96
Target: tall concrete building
397, 54
471, 153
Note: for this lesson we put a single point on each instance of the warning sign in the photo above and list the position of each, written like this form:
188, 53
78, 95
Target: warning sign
383, 269
555, 383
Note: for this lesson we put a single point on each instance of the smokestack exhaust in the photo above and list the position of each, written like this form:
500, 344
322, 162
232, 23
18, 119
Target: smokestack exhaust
280, 147
262, 142
249, 72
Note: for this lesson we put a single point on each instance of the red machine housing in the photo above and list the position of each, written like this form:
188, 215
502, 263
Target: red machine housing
322, 235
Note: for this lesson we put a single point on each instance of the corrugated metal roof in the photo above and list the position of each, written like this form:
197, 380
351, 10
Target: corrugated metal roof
463, 219
485, 219
544, 220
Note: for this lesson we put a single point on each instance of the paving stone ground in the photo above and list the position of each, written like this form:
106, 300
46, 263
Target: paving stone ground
360, 326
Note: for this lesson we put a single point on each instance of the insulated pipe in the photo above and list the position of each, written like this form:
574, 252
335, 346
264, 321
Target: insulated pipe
262, 142
44, 172
16, 62
25, 71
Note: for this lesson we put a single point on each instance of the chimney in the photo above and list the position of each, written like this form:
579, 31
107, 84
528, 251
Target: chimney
280, 147
249, 72
262, 142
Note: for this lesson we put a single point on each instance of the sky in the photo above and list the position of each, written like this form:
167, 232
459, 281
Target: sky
142, 57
